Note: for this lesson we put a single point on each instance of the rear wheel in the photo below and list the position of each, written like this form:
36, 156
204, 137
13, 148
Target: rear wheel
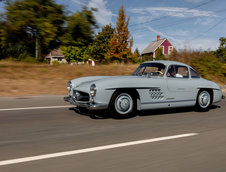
122, 105
204, 100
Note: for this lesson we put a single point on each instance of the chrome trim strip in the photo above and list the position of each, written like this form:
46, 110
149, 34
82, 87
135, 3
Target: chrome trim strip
175, 101
133, 87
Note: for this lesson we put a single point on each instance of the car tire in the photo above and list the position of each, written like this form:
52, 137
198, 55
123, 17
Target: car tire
122, 105
204, 100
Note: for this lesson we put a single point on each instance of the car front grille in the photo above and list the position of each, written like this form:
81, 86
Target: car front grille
80, 96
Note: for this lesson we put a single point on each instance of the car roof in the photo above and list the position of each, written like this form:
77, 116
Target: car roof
166, 62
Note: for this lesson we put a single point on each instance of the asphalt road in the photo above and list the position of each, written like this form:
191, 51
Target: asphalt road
27, 133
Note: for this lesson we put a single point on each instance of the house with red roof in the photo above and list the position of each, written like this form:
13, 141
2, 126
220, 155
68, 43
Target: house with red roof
151, 49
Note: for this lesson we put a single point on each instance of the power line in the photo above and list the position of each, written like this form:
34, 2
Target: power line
183, 20
175, 22
215, 25
166, 16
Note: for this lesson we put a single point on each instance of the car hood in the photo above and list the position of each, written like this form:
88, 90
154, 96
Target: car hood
90, 79
83, 83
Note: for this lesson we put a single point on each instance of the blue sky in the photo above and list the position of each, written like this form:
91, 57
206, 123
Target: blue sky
191, 24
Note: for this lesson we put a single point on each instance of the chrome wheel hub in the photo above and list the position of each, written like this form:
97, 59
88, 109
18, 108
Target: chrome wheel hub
123, 103
204, 99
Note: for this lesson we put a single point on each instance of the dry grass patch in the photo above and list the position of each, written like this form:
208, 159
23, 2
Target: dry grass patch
19, 79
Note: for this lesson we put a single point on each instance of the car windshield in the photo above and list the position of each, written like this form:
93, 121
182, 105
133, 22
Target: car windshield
150, 69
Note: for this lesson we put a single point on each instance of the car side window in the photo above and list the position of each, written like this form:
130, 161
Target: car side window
177, 71
194, 74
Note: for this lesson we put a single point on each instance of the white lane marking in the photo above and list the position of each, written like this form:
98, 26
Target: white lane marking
31, 108
92, 149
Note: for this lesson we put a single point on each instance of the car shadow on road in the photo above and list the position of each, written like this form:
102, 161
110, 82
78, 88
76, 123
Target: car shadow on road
104, 114
99, 114
171, 110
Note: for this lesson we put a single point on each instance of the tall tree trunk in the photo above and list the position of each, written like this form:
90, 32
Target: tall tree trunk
37, 48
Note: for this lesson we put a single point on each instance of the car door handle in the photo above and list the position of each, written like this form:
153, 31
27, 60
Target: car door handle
181, 89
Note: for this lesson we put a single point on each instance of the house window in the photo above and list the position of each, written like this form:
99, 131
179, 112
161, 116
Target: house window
170, 49
162, 49
59, 59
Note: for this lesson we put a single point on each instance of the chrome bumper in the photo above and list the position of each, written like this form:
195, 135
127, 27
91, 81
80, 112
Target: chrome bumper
88, 105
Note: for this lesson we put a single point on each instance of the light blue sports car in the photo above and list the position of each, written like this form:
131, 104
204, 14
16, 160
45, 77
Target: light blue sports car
153, 85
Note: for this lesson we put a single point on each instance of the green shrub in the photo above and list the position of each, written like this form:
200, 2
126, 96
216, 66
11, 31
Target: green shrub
30, 60
206, 63
55, 62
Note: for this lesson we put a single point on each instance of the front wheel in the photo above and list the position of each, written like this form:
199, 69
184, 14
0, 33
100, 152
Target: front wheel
122, 105
204, 101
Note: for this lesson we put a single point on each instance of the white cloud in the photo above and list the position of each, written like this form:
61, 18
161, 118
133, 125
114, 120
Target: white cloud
178, 32
141, 19
79, 2
194, 1
171, 11
203, 44
103, 15
204, 21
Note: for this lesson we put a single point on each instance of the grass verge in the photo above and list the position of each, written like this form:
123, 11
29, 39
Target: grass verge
22, 79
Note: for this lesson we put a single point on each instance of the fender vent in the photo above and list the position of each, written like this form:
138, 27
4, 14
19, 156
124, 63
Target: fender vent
156, 94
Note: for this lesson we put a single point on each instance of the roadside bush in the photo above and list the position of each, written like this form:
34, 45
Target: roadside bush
55, 62
30, 60
210, 67
206, 63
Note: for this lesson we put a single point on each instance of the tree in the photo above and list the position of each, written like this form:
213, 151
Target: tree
1, 49
35, 23
137, 52
76, 54
221, 51
159, 54
80, 28
101, 43
6, 1
121, 43
78, 36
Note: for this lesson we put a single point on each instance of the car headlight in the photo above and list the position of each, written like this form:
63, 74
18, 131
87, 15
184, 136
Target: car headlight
69, 85
93, 90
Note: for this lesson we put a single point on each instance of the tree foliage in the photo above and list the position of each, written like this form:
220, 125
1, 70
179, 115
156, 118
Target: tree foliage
36, 22
33, 22
80, 28
121, 43
6, 1
221, 51
137, 52
76, 54
101, 43
35, 27
79, 36
208, 66
159, 54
